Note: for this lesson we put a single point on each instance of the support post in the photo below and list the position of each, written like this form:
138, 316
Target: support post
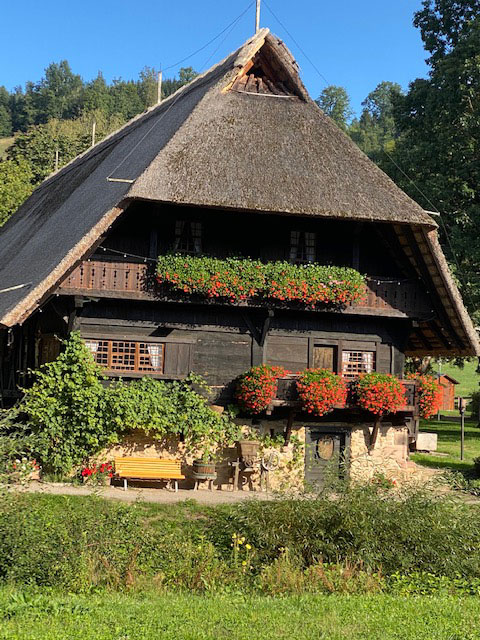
124, 484
257, 17
288, 430
94, 127
461, 408
374, 435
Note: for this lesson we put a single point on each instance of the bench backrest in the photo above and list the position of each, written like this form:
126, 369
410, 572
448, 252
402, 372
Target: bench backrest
148, 467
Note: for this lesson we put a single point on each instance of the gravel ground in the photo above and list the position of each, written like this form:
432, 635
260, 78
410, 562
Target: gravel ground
134, 493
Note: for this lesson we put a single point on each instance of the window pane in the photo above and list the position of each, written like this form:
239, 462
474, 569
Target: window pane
356, 362
128, 356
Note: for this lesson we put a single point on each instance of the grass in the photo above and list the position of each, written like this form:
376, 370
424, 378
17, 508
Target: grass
467, 377
48, 616
4, 144
449, 443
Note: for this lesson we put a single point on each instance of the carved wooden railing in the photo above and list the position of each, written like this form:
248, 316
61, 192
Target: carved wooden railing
132, 279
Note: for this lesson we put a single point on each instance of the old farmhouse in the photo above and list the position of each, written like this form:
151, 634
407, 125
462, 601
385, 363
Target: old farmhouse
240, 162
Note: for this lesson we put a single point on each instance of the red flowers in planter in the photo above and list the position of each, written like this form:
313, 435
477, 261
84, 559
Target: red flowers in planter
257, 387
239, 279
380, 393
320, 390
430, 394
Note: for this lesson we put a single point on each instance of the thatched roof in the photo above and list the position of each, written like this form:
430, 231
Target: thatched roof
245, 135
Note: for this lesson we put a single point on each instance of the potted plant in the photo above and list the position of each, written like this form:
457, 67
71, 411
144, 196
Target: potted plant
320, 390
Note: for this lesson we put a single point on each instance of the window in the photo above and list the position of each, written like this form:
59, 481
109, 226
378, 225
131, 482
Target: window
302, 246
356, 362
124, 356
188, 237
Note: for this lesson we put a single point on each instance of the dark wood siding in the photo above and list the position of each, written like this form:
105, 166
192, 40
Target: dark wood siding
286, 351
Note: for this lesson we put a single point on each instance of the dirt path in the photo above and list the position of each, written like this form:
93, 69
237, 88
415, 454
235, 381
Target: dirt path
133, 494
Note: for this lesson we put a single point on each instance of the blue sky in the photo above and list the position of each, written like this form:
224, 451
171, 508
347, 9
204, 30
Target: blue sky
354, 44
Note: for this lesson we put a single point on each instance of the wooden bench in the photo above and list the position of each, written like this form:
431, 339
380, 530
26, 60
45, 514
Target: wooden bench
148, 469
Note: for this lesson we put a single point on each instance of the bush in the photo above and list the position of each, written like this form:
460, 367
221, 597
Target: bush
409, 532
361, 541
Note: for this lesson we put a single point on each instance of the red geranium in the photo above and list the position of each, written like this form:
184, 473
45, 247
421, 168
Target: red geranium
380, 393
430, 394
257, 387
320, 390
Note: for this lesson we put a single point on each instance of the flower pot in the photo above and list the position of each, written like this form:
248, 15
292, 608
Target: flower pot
204, 469
248, 451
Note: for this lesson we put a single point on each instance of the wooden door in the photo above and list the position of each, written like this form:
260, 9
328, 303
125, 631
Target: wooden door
324, 454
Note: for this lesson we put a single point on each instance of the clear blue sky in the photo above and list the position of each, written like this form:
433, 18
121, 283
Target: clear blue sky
354, 44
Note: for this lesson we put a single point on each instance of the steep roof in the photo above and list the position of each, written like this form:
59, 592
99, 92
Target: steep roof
245, 135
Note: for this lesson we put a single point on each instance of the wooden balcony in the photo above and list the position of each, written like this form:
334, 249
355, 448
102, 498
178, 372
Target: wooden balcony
134, 280
287, 396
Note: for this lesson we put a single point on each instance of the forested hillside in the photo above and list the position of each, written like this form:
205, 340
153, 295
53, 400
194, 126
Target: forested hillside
51, 121
427, 138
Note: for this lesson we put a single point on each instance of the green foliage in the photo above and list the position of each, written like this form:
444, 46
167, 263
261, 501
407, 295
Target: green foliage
15, 186
335, 102
67, 410
361, 541
409, 532
242, 278
163, 409
375, 131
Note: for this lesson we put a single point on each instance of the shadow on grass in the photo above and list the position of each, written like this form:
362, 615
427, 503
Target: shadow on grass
442, 463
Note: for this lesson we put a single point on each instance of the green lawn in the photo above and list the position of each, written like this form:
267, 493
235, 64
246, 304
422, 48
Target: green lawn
468, 378
106, 616
449, 443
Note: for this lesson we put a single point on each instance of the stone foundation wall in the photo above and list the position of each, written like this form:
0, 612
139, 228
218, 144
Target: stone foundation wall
389, 456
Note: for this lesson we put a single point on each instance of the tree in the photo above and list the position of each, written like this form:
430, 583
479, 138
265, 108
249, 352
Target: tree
170, 85
375, 131
96, 96
38, 146
438, 145
334, 101
58, 94
5, 115
15, 186
444, 23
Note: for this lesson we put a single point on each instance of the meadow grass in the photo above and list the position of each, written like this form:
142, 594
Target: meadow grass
449, 444
47, 615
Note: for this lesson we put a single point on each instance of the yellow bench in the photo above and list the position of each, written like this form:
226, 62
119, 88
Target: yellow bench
148, 469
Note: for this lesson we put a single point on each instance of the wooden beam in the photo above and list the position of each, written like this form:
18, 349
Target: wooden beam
436, 301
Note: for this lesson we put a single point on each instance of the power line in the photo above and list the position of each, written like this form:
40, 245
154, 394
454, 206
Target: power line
296, 43
230, 28
171, 66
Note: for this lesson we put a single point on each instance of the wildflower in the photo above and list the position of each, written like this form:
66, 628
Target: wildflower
248, 547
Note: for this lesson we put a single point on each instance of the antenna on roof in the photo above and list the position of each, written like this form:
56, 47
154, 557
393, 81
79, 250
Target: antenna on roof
257, 17
159, 87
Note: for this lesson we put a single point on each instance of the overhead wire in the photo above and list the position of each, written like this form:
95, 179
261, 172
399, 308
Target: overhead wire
229, 29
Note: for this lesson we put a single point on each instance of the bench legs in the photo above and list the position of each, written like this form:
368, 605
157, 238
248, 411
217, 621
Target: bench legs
125, 484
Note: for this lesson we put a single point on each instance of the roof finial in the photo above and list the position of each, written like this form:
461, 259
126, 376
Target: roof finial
257, 17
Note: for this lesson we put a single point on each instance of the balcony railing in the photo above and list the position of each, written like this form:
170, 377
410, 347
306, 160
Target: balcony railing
134, 280
287, 395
